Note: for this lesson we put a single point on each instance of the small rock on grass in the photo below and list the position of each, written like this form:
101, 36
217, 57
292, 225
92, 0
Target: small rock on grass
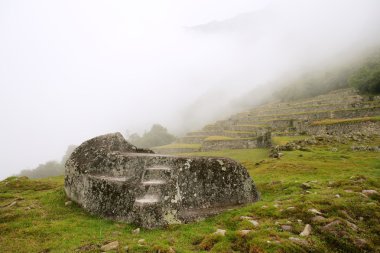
221, 232
305, 186
288, 228
299, 241
360, 243
110, 246
136, 231
315, 211
244, 232
318, 218
251, 220
254, 223
306, 231
141, 242
11, 204
68, 203
370, 192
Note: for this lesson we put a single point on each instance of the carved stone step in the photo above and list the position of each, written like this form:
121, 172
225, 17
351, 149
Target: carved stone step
147, 200
153, 182
157, 168
110, 178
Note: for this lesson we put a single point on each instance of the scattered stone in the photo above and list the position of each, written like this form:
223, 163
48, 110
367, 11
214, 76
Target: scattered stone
337, 196
264, 207
306, 231
331, 226
91, 247
360, 243
299, 241
171, 250
290, 208
126, 248
361, 218
305, 186
314, 211
12, 204
221, 232
116, 233
254, 223
348, 191
110, 246
245, 218
136, 231
244, 232
318, 218
68, 203
287, 228
141, 242
334, 150
370, 192
352, 226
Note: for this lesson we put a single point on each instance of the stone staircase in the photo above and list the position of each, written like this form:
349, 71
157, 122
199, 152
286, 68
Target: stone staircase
156, 187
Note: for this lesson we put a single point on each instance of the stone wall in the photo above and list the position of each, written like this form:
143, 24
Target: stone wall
228, 144
262, 141
366, 128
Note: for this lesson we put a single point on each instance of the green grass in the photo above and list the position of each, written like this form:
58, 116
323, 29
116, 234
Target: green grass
345, 121
179, 146
50, 226
282, 140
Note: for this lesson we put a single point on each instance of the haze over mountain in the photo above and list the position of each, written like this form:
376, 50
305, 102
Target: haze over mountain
72, 70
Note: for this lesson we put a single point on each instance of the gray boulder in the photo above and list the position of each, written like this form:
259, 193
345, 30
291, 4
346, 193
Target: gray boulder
111, 178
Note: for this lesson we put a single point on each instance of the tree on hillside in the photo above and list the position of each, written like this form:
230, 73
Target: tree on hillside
157, 136
49, 169
367, 78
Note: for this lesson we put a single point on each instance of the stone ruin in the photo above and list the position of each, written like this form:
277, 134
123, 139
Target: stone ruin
111, 178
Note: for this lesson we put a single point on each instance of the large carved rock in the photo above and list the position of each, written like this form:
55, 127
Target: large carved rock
110, 177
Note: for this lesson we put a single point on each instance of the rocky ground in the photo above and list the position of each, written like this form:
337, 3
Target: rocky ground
324, 198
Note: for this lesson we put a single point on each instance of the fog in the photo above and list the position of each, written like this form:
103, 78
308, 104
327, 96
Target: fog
71, 70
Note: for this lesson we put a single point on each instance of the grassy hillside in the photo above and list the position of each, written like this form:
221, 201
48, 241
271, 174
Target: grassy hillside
34, 217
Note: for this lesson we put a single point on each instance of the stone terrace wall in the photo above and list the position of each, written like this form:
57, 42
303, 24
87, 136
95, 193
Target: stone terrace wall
228, 144
367, 128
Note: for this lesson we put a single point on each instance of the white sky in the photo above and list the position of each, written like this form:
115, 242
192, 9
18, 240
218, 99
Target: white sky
71, 70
